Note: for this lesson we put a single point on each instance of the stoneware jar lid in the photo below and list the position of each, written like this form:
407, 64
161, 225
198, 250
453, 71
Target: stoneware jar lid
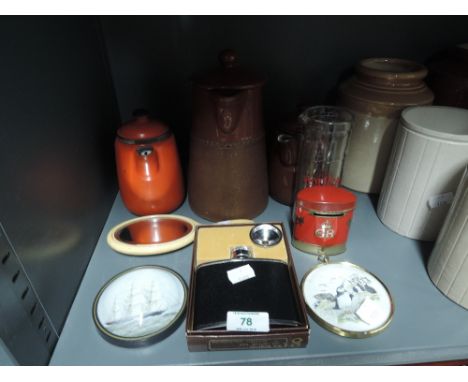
439, 122
326, 199
391, 71
229, 75
142, 129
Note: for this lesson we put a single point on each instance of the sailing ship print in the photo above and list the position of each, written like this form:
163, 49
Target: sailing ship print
142, 310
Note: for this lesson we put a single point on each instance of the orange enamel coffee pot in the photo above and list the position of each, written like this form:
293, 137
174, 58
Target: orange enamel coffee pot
148, 166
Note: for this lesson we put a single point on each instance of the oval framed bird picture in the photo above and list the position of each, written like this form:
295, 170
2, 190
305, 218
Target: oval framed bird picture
347, 300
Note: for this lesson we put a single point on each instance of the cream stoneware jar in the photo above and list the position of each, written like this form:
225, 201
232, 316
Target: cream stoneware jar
448, 264
376, 95
428, 157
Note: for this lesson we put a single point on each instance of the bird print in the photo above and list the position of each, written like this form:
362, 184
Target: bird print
347, 299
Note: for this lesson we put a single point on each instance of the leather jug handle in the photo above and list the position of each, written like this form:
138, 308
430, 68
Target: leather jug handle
147, 160
228, 108
287, 147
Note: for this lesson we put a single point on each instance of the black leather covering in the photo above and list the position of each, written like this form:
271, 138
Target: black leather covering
269, 291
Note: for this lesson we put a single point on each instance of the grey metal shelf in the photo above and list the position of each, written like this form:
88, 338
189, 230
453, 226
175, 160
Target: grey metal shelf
426, 327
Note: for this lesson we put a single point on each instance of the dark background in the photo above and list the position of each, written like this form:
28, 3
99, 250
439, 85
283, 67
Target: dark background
303, 57
63, 81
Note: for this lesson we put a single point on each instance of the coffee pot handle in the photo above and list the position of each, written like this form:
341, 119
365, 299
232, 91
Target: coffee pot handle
147, 160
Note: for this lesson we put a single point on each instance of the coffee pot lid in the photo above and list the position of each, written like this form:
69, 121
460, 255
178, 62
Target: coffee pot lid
229, 75
142, 128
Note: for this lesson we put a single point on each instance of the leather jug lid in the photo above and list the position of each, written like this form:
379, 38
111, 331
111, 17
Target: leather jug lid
142, 129
229, 75
326, 198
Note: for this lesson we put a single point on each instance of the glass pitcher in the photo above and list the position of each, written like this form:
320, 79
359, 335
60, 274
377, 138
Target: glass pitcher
322, 146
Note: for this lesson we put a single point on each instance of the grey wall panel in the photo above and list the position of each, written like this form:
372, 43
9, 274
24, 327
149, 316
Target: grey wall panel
6, 358
57, 123
25, 327
305, 57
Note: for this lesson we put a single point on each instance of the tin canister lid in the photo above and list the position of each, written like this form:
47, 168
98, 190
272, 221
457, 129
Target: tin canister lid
326, 199
140, 305
440, 122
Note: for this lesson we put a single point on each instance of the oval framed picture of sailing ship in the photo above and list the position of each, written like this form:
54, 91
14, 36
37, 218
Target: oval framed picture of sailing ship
347, 300
140, 306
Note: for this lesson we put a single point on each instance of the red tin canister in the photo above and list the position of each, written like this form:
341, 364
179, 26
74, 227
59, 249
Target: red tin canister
322, 216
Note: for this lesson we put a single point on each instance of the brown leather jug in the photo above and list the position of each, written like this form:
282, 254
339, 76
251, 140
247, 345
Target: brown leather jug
227, 176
